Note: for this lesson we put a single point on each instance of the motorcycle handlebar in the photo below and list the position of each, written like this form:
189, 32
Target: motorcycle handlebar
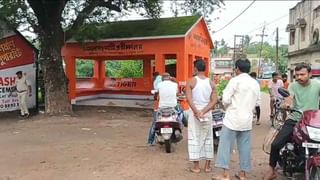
291, 110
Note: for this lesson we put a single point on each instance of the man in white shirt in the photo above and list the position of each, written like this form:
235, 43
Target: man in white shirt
23, 89
167, 90
239, 98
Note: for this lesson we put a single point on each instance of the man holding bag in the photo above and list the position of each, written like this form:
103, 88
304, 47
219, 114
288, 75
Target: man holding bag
201, 96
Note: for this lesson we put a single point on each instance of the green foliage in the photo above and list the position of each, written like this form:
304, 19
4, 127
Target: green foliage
265, 89
124, 69
199, 7
283, 60
221, 86
269, 53
220, 47
84, 68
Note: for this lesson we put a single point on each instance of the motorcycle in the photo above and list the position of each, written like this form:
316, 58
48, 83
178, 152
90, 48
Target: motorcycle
167, 128
302, 152
217, 122
217, 118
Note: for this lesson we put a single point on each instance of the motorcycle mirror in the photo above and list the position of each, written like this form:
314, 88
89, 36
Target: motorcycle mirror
283, 92
154, 91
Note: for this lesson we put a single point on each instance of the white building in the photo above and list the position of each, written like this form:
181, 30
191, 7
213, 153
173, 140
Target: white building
223, 65
303, 28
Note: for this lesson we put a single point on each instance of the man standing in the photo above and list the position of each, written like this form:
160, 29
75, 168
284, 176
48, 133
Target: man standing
273, 86
304, 95
239, 98
258, 110
156, 80
167, 90
285, 81
201, 96
23, 89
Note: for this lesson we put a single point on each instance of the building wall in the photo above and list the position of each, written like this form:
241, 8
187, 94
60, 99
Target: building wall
301, 51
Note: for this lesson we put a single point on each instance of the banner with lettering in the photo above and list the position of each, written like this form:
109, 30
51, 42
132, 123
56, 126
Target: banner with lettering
15, 51
16, 54
8, 95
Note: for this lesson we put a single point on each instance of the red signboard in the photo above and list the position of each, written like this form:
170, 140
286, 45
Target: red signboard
16, 54
14, 51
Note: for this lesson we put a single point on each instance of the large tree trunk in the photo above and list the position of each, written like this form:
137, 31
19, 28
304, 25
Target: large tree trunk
56, 100
56, 97
51, 37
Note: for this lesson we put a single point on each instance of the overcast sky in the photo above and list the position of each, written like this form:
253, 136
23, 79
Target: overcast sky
274, 13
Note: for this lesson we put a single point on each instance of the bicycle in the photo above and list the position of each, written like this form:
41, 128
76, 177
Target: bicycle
279, 114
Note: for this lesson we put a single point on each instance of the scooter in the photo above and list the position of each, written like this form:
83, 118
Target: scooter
168, 129
217, 122
217, 118
302, 152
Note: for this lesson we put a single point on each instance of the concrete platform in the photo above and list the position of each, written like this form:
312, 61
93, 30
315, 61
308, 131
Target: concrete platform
134, 103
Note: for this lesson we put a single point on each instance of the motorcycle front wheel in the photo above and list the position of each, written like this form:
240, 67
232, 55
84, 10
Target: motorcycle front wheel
314, 173
167, 144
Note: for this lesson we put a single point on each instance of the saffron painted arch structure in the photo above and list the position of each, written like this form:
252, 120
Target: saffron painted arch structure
152, 41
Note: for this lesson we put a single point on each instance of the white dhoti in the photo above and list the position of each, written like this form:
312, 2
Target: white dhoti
200, 138
22, 97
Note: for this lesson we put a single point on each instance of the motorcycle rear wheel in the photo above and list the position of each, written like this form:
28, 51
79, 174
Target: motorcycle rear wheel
314, 172
167, 144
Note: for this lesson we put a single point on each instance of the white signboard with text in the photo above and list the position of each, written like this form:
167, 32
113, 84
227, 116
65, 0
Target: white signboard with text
8, 94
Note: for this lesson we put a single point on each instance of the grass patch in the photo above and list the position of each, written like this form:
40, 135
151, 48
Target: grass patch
136, 28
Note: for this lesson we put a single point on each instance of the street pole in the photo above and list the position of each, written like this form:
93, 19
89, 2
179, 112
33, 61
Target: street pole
234, 50
262, 35
277, 49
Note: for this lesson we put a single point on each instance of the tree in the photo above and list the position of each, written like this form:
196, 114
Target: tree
247, 40
223, 48
84, 68
198, 7
283, 59
124, 69
269, 53
55, 21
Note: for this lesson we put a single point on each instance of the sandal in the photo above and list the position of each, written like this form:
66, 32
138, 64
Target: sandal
208, 170
194, 170
219, 178
239, 177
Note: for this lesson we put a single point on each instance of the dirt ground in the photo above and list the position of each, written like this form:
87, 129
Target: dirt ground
102, 143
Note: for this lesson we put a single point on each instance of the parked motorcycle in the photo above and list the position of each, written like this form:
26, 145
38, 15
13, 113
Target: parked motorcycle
217, 118
168, 128
302, 152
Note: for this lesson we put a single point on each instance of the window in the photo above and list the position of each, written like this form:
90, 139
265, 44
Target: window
84, 68
303, 34
316, 12
124, 68
292, 37
171, 67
